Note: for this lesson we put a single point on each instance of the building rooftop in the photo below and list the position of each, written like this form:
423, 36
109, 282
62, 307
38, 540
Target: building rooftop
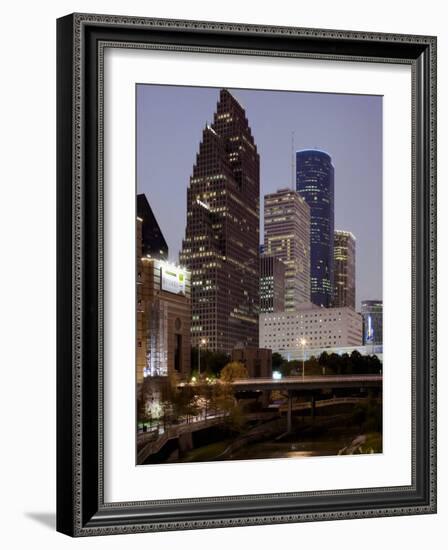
346, 233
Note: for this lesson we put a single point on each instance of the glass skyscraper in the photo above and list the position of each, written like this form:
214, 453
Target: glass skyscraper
222, 238
344, 269
315, 183
372, 314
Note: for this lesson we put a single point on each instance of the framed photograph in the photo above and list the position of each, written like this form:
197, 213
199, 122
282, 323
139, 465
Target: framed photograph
246, 274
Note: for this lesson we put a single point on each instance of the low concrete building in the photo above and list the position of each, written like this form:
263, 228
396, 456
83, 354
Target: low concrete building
257, 361
311, 327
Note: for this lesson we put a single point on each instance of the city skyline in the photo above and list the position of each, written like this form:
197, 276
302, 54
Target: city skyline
361, 213
203, 347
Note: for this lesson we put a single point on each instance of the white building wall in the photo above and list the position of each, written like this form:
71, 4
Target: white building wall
319, 327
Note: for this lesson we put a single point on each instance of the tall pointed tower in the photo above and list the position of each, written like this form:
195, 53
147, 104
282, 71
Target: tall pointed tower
221, 245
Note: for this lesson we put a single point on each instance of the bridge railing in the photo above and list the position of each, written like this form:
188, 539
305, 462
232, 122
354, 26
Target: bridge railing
324, 403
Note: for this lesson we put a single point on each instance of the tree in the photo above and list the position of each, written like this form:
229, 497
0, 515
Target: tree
232, 371
277, 361
216, 362
183, 403
212, 362
149, 397
289, 368
368, 416
346, 364
323, 359
236, 419
357, 361
312, 366
143, 413
223, 396
335, 363
374, 365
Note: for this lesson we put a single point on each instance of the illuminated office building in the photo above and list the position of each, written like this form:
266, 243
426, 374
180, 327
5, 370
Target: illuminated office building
372, 314
221, 244
163, 316
272, 284
315, 183
287, 237
344, 294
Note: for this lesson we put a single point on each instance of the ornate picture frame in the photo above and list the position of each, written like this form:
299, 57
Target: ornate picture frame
81, 506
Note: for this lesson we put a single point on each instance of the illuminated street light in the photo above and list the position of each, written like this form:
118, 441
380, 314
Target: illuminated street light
202, 342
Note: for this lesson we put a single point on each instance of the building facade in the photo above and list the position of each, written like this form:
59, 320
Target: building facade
257, 361
311, 327
221, 244
344, 294
153, 241
287, 237
372, 314
272, 284
315, 183
163, 317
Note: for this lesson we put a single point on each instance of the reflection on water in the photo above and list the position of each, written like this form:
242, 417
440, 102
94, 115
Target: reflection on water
295, 449
327, 436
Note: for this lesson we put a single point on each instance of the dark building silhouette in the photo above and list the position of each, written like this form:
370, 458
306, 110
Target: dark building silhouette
372, 315
221, 245
344, 269
153, 241
315, 183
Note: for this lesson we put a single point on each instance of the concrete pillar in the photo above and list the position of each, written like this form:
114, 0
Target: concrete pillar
265, 397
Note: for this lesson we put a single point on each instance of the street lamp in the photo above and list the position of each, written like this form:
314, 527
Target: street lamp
202, 342
303, 344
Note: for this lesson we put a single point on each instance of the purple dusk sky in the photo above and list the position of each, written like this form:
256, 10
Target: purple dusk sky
170, 121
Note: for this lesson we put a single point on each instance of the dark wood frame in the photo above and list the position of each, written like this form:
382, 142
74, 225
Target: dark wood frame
81, 510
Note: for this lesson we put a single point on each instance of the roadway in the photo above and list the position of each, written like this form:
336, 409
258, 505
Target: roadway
309, 382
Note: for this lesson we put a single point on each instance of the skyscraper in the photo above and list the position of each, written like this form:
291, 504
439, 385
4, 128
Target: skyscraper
272, 284
287, 236
344, 269
315, 183
153, 241
221, 245
372, 314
